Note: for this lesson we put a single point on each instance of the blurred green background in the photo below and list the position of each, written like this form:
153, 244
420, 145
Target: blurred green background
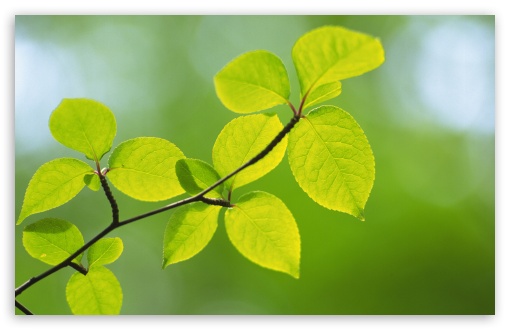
427, 246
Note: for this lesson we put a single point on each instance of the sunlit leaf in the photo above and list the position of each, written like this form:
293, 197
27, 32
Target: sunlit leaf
188, 231
53, 184
144, 168
105, 251
254, 81
92, 181
262, 228
333, 53
323, 93
196, 175
97, 293
84, 125
332, 161
52, 240
242, 139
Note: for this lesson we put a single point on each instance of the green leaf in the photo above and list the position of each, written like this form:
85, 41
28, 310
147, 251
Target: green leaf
188, 232
252, 82
262, 228
242, 139
332, 161
84, 125
196, 175
52, 240
92, 181
105, 251
97, 293
53, 184
323, 93
144, 168
333, 53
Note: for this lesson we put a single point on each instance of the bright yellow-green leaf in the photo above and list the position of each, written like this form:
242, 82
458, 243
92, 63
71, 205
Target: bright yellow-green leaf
196, 175
97, 293
252, 82
84, 125
92, 181
323, 93
333, 53
53, 184
144, 168
262, 228
52, 240
332, 161
188, 231
242, 139
105, 251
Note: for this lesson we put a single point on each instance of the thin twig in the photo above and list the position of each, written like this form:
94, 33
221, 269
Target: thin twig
199, 197
22, 308
215, 201
64, 263
79, 268
109, 196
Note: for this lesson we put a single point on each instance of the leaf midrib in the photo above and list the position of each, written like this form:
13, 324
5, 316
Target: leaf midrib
211, 209
260, 230
337, 61
246, 158
52, 244
255, 85
334, 160
101, 256
50, 193
94, 154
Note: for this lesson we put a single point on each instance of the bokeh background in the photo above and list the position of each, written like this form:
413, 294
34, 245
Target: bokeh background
428, 244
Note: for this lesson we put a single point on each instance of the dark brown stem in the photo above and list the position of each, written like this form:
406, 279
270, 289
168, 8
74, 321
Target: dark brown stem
109, 196
22, 308
215, 201
64, 263
199, 197
79, 268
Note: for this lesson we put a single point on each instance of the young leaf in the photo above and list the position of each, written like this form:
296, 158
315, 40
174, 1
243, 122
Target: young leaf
97, 293
92, 181
333, 53
323, 93
188, 232
332, 161
84, 125
52, 240
144, 168
196, 175
252, 82
53, 184
242, 139
105, 251
262, 228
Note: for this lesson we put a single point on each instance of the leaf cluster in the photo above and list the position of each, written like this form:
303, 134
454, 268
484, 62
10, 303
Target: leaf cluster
329, 155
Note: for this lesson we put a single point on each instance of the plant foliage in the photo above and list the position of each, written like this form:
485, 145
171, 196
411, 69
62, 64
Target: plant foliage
328, 152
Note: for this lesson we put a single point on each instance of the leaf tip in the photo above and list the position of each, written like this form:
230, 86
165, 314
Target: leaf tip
166, 262
20, 220
361, 215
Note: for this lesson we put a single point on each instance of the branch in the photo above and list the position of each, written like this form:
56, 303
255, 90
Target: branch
22, 308
79, 268
199, 197
259, 156
215, 201
66, 262
109, 196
